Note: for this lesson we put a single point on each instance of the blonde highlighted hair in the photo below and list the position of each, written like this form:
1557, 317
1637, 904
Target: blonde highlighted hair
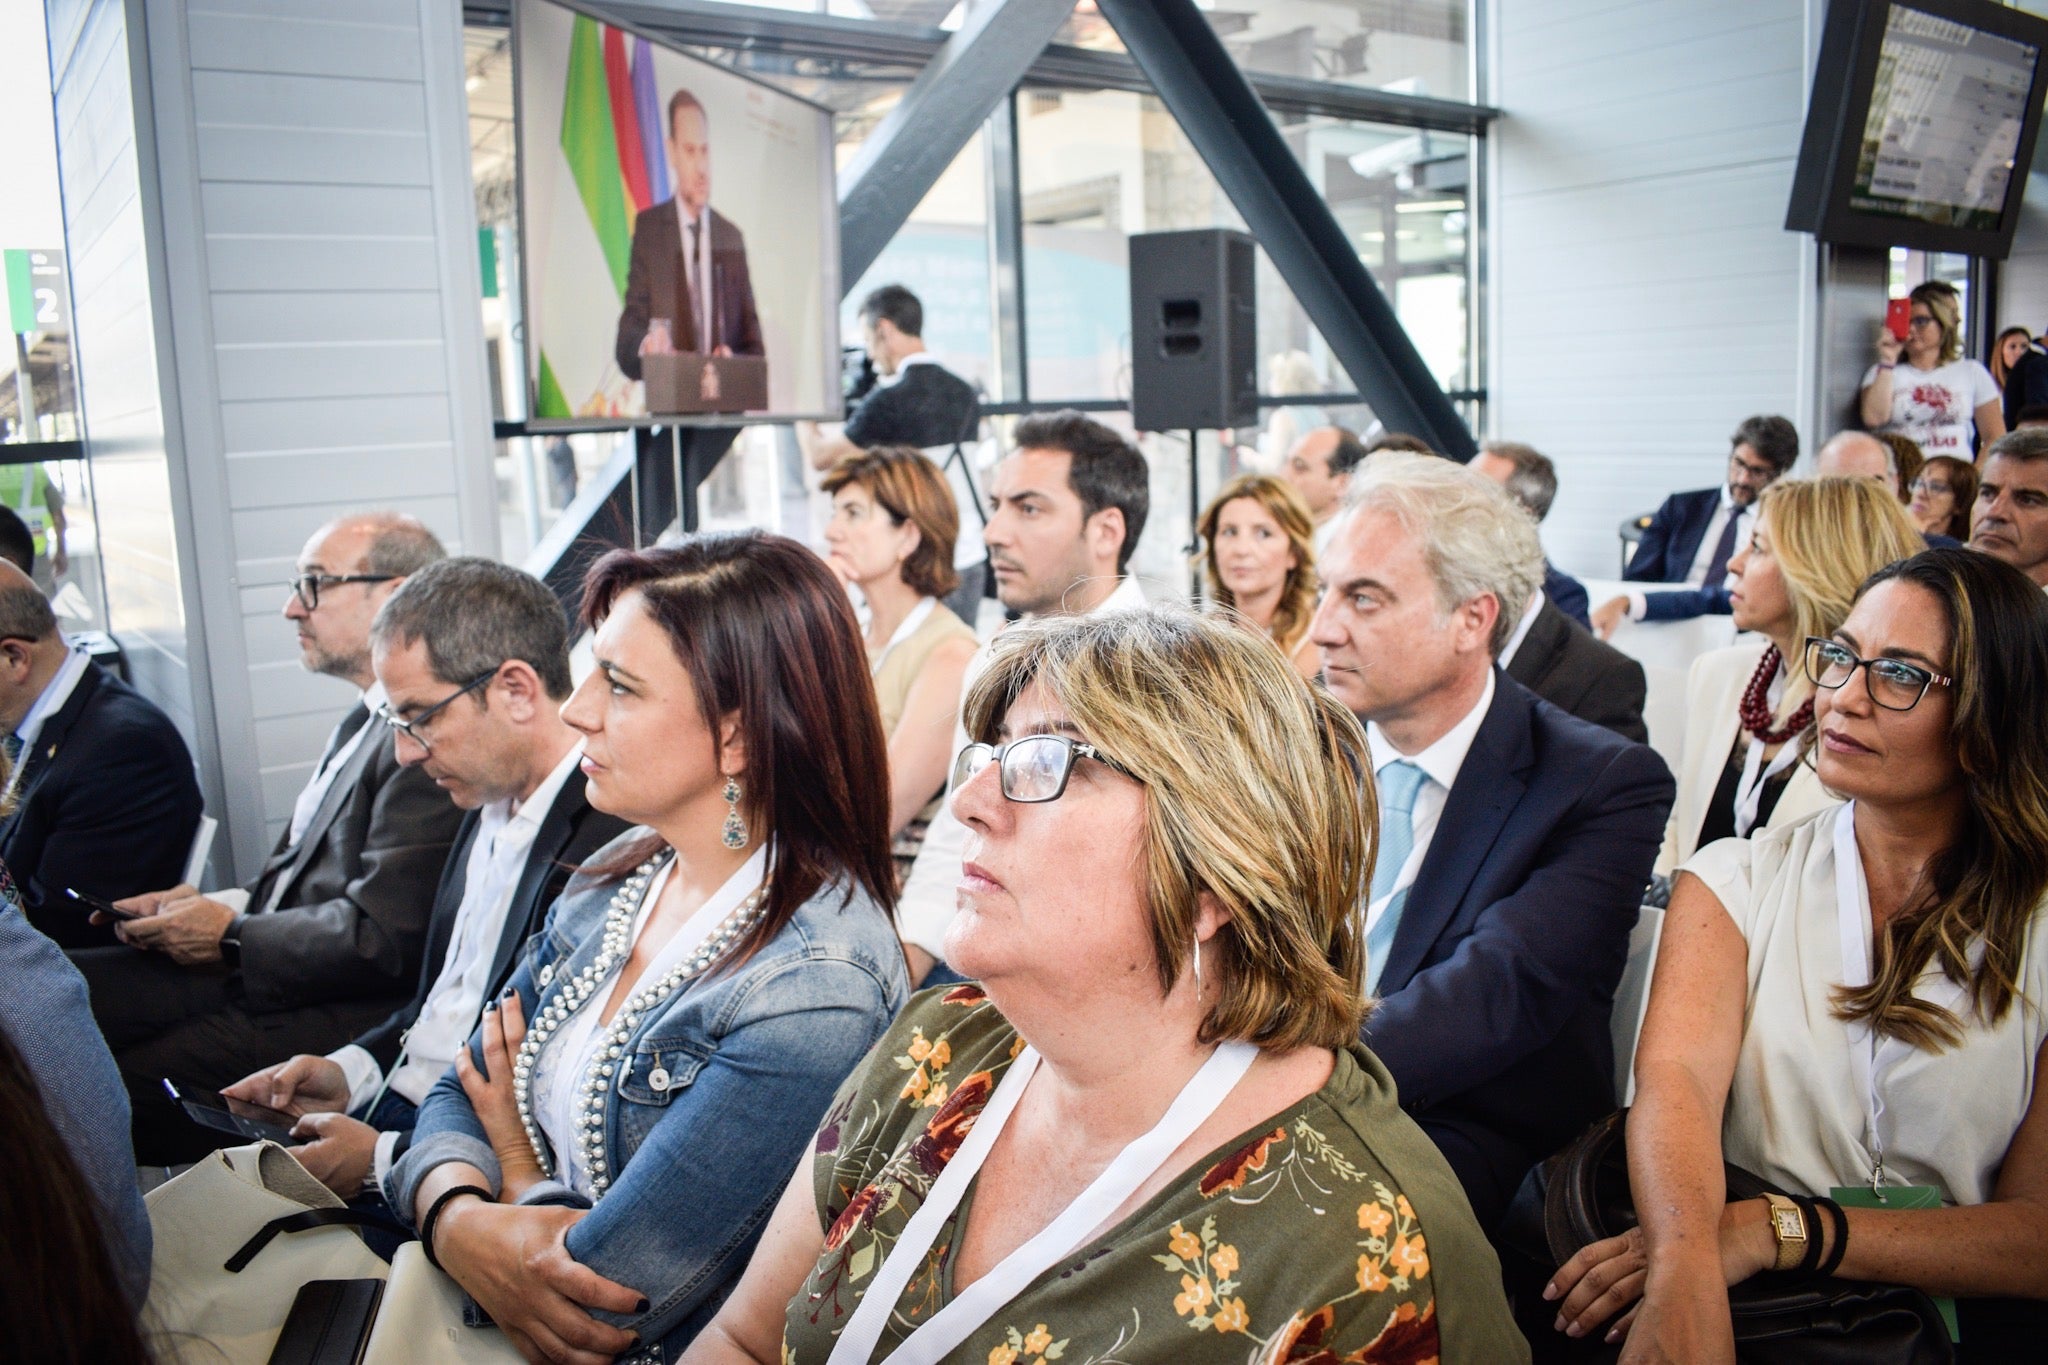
1828, 536
1942, 300
1255, 793
1298, 592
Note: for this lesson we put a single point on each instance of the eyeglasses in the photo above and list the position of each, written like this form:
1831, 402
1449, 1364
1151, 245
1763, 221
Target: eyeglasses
1755, 471
1930, 486
414, 728
1922, 320
1034, 768
306, 587
1894, 684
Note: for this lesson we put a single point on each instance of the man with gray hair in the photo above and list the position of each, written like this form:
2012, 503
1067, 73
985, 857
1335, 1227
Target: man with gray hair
2010, 520
1531, 480
327, 939
102, 792
1515, 840
474, 657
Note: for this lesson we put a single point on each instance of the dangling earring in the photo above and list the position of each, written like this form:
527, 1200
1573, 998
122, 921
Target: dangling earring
734, 835
1198, 967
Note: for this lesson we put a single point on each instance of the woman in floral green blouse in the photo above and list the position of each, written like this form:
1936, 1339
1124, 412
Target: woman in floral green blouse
1192, 1156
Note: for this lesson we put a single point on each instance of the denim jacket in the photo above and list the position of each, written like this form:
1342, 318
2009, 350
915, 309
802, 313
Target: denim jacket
753, 1058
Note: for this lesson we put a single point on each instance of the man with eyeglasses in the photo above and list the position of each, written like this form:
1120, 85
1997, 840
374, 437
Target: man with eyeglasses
104, 799
327, 939
1691, 538
473, 657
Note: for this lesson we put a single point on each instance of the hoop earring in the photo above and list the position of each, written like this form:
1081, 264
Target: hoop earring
1198, 967
734, 835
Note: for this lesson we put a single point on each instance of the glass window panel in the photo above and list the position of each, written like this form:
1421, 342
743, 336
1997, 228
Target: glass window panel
1418, 47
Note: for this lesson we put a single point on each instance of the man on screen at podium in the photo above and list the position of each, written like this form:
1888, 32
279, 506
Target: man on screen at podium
687, 286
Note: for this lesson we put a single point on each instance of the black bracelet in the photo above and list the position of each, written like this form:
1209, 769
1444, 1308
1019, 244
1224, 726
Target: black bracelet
434, 1216
1833, 1259
1811, 1217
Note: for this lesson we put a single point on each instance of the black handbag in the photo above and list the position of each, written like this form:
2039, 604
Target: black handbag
1780, 1319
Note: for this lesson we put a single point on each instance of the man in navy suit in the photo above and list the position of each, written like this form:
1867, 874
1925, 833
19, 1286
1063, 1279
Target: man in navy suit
689, 262
1531, 480
1515, 840
105, 798
474, 657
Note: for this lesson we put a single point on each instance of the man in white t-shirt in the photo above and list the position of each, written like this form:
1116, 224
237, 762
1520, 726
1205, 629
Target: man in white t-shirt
1070, 500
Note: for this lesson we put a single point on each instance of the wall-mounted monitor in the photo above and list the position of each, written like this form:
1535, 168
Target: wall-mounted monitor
1921, 126
679, 232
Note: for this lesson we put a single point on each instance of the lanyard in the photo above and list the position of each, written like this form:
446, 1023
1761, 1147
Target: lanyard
1137, 1162
1749, 792
1870, 1055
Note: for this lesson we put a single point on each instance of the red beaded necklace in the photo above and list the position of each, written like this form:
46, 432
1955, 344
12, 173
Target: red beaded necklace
1756, 703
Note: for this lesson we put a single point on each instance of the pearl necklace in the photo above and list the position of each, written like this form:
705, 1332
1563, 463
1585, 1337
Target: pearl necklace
612, 950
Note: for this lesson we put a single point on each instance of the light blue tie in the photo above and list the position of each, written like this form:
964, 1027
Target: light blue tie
1399, 784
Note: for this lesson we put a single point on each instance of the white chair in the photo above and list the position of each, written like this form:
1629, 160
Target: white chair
202, 844
1632, 998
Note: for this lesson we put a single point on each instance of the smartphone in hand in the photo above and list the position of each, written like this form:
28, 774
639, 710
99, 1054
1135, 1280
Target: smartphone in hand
1898, 317
92, 903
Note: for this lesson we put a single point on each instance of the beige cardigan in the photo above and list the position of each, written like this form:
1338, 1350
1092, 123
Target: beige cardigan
1713, 702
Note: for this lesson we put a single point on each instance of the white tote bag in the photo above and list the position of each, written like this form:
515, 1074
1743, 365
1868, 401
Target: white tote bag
199, 1313
420, 1320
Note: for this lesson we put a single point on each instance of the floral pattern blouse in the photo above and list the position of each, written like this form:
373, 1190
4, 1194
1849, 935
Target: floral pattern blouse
1332, 1234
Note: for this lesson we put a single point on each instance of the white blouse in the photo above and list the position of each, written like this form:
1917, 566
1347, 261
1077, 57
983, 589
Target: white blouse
1798, 1113
566, 1058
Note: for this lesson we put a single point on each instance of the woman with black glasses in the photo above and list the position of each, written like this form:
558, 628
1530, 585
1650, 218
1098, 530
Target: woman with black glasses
1850, 1007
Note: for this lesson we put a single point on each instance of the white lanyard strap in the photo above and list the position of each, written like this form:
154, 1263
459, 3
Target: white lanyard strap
1871, 1055
1137, 1162
1749, 792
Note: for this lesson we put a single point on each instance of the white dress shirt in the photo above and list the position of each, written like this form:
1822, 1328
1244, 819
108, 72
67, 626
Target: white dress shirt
697, 272
1440, 763
55, 693
1514, 644
504, 838
931, 894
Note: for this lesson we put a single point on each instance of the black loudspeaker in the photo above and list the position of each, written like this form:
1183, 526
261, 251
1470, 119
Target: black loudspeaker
1194, 354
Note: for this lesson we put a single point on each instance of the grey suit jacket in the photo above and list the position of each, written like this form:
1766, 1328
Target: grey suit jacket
358, 889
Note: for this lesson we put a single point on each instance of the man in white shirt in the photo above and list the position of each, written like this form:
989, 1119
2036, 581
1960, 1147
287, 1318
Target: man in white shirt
1067, 505
1515, 840
1320, 468
327, 938
474, 657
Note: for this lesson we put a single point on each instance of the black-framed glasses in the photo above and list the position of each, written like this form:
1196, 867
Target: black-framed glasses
1034, 768
1894, 684
1923, 320
306, 587
414, 729
1930, 486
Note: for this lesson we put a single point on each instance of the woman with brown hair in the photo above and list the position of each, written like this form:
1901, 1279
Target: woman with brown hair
2012, 343
1921, 386
891, 535
697, 993
1849, 1007
1260, 560
1943, 492
1148, 1132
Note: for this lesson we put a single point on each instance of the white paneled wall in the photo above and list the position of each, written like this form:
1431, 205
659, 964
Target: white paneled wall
1645, 296
317, 336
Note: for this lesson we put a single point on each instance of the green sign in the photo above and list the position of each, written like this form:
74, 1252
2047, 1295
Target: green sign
487, 254
21, 298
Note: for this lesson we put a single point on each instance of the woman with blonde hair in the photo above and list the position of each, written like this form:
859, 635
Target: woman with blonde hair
1750, 707
891, 535
1260, 561
1923, 388
1848, 1007
1149, 1133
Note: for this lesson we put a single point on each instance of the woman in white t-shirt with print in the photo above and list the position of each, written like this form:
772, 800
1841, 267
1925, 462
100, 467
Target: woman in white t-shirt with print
1922, 387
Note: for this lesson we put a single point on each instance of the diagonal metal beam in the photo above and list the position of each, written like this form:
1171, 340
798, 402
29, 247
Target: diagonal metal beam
1179, 52
911, 147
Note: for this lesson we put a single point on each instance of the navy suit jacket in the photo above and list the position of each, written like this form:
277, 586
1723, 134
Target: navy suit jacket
108, 804
1567, 594
1498, 987
569, 834
1665, 553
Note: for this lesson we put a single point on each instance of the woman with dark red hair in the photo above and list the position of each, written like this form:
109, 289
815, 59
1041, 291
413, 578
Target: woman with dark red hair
699, 992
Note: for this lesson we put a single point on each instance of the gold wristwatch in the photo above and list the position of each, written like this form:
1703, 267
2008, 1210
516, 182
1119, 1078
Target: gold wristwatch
1788, 1226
